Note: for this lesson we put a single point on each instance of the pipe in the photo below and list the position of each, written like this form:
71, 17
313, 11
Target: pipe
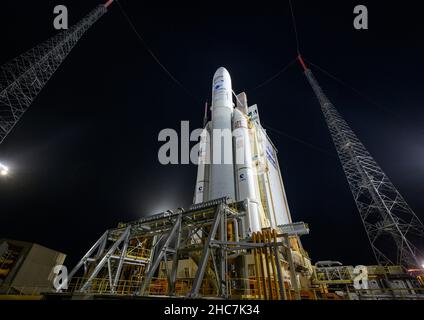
257, 271
273, 262
268, 269
282, 287
262, 266
236, 230
236, 238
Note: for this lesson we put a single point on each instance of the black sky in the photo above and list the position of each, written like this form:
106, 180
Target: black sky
84, 156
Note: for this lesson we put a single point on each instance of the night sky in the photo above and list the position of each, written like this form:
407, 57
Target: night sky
84, 156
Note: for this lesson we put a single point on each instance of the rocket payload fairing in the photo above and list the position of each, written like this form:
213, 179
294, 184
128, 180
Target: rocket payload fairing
238, 160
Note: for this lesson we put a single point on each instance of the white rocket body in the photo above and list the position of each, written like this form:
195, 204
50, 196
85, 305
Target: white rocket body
222, 168
238, 160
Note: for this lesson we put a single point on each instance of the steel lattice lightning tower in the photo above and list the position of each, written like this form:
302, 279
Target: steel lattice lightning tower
22, 78
393, 229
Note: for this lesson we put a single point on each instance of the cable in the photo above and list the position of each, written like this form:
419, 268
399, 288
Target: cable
295, 27
152, 53
237, 98
292, 62
290, 136
366, 98
284, 69
348, 86
263, 84
307, 144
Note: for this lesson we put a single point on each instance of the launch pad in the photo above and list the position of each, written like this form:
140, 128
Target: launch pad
202, 253
198, 253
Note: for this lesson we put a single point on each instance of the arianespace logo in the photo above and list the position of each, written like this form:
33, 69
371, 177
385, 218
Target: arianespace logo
270, 156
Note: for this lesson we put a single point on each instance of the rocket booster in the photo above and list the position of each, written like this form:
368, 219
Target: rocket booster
202, 184
244, 171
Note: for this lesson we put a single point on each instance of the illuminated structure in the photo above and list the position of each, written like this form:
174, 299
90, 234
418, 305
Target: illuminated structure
26, 268
253, 173
392, 227
236, 241
22, 78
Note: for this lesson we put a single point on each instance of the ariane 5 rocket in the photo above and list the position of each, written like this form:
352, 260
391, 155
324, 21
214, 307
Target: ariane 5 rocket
237, 159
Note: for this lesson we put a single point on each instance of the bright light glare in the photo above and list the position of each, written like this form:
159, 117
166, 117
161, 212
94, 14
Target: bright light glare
3, 170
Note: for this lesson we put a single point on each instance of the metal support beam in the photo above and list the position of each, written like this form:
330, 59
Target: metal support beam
99, 244
223, 258
109, 271
163, 251
121, 263
175, 260
101, 248
201, 268
243, 245
105, 259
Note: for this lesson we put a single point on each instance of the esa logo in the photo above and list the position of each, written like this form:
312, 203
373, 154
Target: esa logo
242, 177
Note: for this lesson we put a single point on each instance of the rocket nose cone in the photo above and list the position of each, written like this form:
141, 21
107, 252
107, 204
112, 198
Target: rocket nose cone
222, 77
221, 72
221, 89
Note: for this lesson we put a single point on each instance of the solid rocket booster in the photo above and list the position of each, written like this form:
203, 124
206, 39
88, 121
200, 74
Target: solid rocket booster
202, 184
244, 171
222, 168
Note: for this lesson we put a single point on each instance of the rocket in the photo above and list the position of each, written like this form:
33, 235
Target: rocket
222, 168
238, 160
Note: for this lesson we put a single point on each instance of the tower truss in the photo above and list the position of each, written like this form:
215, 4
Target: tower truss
22, 78
393, 229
